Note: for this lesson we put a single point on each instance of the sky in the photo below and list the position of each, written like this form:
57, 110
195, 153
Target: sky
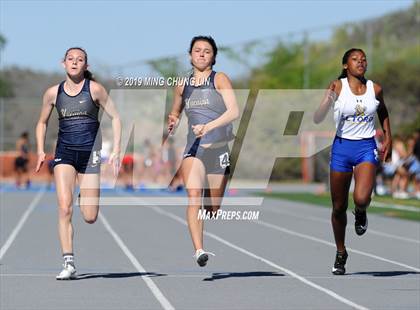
116, 33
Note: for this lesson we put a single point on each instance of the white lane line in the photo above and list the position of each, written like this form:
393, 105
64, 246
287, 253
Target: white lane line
323, 220
21, 222
266, 261
378, 204
304, 236
375, 204
172, 201
149, 282
383, 234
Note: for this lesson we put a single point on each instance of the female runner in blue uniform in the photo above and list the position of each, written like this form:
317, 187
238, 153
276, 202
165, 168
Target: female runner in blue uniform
210, 106
78, 100
355, 101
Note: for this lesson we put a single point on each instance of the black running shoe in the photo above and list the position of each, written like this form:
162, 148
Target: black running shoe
360, 222
340, 262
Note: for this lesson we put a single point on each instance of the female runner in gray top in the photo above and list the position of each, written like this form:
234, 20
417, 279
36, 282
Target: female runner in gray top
210, 106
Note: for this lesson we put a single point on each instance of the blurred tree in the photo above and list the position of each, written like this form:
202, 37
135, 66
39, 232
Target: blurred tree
5, 87
2, 42
166, 67
392, 46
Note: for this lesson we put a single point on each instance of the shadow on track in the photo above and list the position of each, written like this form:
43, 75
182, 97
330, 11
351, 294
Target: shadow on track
117, 275
383, 273
225, 275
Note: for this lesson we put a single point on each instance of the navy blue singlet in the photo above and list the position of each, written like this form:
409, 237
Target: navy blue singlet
78, 120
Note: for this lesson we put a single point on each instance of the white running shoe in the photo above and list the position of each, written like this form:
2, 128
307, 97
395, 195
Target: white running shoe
400, 195
202, 257
68, 272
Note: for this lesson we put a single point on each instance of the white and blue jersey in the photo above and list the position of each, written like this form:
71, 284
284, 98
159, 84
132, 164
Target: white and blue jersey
354, 116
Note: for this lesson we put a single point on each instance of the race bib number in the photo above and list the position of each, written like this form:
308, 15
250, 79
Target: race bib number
96, 158
224, 160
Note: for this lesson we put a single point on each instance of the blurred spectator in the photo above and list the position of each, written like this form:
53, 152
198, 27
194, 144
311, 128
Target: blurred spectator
400, 181
127, 166
50, 163
412, 162
394, 171
176, 183
21, 161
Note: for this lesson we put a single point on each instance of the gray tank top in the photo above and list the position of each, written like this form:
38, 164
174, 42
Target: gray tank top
203, 104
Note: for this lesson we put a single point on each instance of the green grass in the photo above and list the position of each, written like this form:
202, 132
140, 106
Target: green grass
324, 200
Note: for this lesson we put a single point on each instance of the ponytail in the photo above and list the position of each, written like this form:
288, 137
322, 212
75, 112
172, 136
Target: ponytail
88, 75
343, 74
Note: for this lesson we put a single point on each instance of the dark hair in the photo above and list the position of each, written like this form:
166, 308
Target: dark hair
210, 41
86, 74
25, 135
346, 58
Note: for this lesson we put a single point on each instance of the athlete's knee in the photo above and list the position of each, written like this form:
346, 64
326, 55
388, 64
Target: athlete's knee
65, 210
194, 197
339, 206
339, 211
211, 208
195, 193
89, 214
362, 201
90, 219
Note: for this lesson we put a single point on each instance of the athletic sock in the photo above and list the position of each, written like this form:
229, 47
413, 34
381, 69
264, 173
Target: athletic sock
68, 258
341, 252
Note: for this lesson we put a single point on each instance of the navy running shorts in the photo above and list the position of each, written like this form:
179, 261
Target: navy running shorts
88, 162
215, 160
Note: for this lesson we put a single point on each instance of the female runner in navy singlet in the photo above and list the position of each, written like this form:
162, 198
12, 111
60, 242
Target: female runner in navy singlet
355, 101
210, 106
78, 100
